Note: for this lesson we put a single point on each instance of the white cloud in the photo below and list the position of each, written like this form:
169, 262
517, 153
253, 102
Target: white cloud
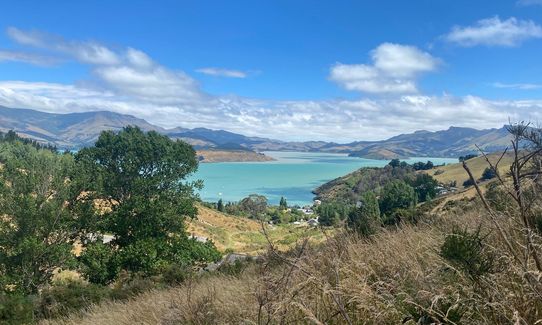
333, 120
522, 86
529, 2
220, 72
127, 72
495, 32
17, 56
133, 83
394, 70
86, 52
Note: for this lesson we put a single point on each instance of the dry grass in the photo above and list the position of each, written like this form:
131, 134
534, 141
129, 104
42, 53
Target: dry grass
455, 172
394, 277
243, 235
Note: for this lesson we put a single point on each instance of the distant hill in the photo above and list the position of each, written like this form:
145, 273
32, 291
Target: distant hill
453, 142
66, 130
77, 130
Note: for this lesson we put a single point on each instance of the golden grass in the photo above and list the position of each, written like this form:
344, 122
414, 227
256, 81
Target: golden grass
395, 277
455, 172
243, 235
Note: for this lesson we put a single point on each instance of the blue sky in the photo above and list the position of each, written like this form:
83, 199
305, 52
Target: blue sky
294, 70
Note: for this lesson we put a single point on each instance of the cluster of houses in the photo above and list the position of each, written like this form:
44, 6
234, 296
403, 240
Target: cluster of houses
308, 211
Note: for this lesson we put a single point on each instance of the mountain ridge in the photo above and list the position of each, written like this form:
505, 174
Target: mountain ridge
76, 130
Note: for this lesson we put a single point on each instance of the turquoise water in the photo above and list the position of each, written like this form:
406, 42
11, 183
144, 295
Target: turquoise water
293, 175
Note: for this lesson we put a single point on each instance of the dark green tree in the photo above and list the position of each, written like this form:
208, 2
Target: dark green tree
395, 163
220, 205
488, 174
425, 187
283, 204
365, 218
141, 177
331, 213
42, 213
396, 195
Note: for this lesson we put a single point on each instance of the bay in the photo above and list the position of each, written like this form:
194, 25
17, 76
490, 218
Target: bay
293, 175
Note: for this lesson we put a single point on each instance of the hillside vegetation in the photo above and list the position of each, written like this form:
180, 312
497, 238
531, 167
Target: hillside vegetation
455, 173
243, 235
391, 278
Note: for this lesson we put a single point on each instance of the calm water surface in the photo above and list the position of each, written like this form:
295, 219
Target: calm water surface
293, 175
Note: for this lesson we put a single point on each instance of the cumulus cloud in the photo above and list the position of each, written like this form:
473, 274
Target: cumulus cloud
17, 56
495, 32
127, 72
394, 69
133, 83
220, 72
522, 86
331, 120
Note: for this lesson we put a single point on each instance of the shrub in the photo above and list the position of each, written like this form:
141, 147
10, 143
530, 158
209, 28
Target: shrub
63, 298
397, 195
98, 264
400, 215
236, 268
489, 173
174, 274
16, 309
467, 251
469, 182
365, 218
130, 285
498, 199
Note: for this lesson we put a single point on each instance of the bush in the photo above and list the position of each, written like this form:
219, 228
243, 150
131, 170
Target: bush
498, 199
236, 268
489, 173
469, 182
175, 274
64, 298
397, 195
130, 285
467, 251
366, 217
98, 264
400, 215
16, 309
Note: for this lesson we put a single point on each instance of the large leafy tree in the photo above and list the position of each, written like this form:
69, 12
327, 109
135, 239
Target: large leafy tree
255, 205
397, 195
141, 177
425, 187
42, 212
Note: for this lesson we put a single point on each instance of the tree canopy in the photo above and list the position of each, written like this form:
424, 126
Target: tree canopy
142, 177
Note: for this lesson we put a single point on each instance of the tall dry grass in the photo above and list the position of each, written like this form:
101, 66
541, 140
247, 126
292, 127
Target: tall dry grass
396, 276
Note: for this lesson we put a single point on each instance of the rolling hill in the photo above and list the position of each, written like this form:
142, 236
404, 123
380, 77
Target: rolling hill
76, 130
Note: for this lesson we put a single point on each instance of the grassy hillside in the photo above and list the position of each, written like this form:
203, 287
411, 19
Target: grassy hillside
455, 172
395, 277
242, 235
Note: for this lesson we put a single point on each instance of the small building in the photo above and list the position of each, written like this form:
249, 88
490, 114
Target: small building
199, 238
317, 203
313, 222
